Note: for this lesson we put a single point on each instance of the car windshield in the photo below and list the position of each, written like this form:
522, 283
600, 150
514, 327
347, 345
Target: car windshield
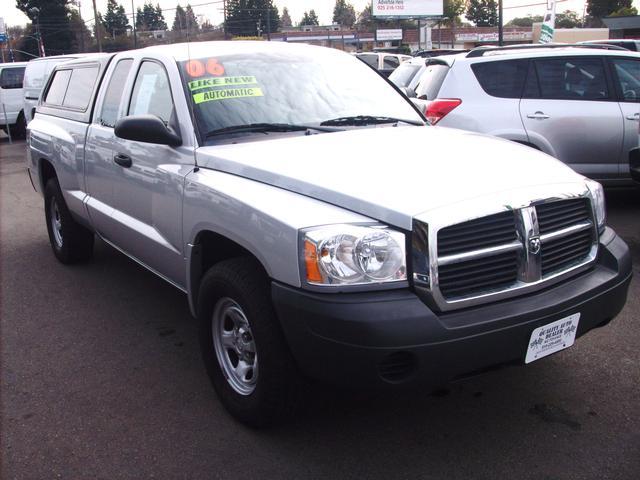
285, 88
403, 75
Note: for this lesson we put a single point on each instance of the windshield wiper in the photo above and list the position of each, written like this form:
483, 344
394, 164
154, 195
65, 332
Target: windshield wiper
358, 120
267, 127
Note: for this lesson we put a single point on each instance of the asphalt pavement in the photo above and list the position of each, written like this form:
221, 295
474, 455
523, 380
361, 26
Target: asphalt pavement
101, 378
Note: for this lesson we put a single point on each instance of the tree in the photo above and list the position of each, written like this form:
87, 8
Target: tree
285, 20
452, 9
484, 13
252, 17
150, 18
603, 8
180, 20
625, 12
568, 19
525, 21
54, 19
344, 14
115, 21
365, 18
192, 21
310, 18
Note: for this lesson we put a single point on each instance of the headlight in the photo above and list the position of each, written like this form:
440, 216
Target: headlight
597, 194
353, 255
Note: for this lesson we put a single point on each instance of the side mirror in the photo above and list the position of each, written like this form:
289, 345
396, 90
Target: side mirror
409, 92
148, 129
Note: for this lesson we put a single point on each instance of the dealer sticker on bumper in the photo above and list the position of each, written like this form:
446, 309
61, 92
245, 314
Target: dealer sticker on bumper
552, 338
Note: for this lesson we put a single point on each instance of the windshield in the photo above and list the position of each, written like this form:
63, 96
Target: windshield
403, 75
287, 88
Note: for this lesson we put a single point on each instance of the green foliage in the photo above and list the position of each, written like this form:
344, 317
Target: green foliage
115, 21
251, 17
524, 21
625, 12
484, 13
604, 8
150, 18
55, 23
365, 18
285, 20
568, 19
310, 18
344, 13
184, 20
452, 9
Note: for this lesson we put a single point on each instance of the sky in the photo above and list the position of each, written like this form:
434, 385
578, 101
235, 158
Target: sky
212, 9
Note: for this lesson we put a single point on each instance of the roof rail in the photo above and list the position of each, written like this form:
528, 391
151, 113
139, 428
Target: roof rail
480, 51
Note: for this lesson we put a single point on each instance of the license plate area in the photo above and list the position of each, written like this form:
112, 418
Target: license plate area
551, 338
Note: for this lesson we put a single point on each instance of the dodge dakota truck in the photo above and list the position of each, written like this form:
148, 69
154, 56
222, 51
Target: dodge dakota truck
318, 226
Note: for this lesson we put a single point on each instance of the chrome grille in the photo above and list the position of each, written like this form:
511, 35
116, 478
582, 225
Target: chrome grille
573, 217
476, 234
513, 250
486, 273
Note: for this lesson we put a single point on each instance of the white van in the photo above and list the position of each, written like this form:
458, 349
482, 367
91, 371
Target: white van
35, 77
11, 114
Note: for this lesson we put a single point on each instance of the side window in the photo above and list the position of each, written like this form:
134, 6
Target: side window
11, 77
628, 78
390, 62
109, 114
504, 79
572, 79
151, 92
58, 87
80, 87
370, 59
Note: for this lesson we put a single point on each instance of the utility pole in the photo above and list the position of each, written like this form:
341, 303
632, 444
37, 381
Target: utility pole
97, 26
269, 24
224, 11
500, 32
133, 20
80, 27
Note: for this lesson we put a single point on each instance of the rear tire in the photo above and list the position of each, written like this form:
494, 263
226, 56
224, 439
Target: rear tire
19, 130
70, 241
239, 332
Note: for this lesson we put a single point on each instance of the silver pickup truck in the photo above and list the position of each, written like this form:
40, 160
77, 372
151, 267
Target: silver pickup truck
318, 226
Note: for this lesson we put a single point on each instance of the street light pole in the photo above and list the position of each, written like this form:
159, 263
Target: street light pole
35, 11
133, 20
500, 33
97, 26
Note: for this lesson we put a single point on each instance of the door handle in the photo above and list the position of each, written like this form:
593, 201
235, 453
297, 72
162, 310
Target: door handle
538, 116
122, 160
634, 117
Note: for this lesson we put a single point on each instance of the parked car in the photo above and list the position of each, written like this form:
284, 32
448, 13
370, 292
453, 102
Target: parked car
634, 164
35, 77
11, 113
262, 180
629, 44
407, 75
437, 52
580, 105
385, 63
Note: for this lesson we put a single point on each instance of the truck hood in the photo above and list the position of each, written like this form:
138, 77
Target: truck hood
391, 174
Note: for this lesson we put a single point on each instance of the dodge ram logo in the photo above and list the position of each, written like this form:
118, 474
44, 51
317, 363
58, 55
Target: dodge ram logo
534, 245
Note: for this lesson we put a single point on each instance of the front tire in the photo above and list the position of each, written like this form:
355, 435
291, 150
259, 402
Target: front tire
70, 241
19, 130
244, 350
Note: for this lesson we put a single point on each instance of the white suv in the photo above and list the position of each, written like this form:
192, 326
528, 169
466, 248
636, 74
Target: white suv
580, 105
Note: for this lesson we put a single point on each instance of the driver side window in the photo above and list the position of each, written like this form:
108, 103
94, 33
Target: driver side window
628, 76
151, 92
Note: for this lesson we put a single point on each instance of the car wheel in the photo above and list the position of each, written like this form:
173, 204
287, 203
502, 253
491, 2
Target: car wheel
243, 347
70, 241
19, 130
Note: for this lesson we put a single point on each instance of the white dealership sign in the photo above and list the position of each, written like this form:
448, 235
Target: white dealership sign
388, 35
407, 8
